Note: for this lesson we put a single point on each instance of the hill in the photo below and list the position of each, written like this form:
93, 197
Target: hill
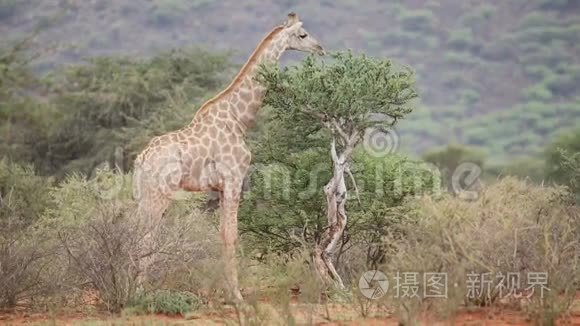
500, 75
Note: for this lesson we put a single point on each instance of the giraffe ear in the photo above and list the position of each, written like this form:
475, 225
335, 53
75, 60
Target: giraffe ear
292, 19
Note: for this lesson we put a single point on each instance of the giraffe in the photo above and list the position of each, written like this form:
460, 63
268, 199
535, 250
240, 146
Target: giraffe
210, 153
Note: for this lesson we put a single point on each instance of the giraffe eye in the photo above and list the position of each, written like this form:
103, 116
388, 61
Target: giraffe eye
303, 35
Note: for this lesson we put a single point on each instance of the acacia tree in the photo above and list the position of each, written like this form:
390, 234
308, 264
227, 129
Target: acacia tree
343, 100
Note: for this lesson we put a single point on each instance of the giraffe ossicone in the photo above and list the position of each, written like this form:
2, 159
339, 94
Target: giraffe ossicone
210, 153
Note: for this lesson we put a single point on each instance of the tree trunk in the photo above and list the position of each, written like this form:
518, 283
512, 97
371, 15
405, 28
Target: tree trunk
336, 195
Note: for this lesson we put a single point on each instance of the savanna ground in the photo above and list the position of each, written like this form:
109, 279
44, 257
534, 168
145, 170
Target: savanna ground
301, 315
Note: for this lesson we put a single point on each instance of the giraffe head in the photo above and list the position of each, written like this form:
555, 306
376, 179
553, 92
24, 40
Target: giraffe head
298, 38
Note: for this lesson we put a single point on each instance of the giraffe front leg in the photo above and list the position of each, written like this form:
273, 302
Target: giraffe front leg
229, 200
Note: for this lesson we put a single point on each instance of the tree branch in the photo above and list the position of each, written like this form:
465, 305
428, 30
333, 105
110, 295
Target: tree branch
333, 151
338, 128
347, 170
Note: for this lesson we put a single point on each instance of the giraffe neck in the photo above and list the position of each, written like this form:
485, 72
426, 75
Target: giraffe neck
244, 96
247, 96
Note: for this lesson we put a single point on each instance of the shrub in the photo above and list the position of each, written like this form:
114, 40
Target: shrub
167, 302
513, 227
563, 160
105, 252
116, 104
24, 250
451, 159
523, 168
102, 243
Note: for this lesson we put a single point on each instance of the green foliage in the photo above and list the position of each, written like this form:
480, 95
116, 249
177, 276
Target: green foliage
24, 122
23, 195
524, 168
538, 92
23, 248
14, 70
562, 84
563, 160
112, 106
352, 86
285, 207
167, 302
451, 157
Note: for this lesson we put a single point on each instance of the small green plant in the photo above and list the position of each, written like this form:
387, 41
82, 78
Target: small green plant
167, 302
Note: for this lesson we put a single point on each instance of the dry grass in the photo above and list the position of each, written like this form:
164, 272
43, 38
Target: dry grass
513, 227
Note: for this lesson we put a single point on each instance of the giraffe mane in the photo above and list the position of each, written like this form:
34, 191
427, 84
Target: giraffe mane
239, 77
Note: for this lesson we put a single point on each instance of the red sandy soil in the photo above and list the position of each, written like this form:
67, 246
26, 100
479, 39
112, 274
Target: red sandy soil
303, 314
483, 317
